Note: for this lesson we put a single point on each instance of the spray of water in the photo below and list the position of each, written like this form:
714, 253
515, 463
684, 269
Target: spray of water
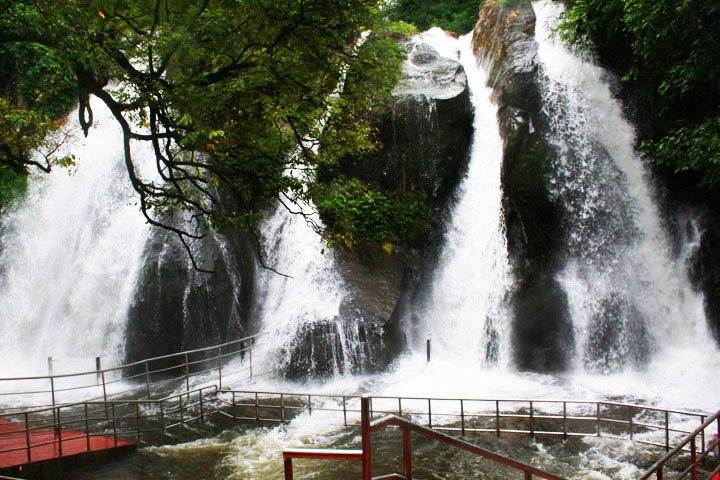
466, 314
631, 302
70, 255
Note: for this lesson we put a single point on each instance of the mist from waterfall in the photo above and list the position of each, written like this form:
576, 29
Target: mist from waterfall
630, 298
70, 255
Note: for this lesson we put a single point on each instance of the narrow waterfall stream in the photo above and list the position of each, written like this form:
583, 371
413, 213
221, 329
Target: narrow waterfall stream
70, 256
465, 314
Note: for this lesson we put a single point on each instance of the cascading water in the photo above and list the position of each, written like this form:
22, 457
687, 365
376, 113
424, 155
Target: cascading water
629, 297
466, 313
70, 256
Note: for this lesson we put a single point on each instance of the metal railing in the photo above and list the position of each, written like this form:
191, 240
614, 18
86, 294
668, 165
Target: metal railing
152, 377
115, 419
535, 417
407, 427
699, 454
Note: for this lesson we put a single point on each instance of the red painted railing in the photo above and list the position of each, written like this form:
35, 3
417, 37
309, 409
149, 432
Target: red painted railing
407, 428
700, 451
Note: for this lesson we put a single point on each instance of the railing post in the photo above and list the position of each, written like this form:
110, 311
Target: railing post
187, 375
309, 405
667, 431
344, 410
202, 411
702, 433
257, 406
693, 458
462, 417
597, 417
147, 379
288, 469
407, 453
282, 407
427, 348
114, 422
565, 429
399, 406
52, 396
220, 367
182, 411
429, 412
59, 432
87, 428
532, 419
497, 417
105, 398
365, 436
250, 358
27, 437
98, 367
137, 419
630, 422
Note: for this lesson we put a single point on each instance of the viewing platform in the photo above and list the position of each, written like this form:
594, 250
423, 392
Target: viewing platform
22, 446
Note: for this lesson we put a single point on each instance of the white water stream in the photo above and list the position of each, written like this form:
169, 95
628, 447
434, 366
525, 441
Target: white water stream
71, 252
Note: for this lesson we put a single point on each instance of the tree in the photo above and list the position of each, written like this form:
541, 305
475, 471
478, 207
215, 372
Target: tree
671, 50
224, 90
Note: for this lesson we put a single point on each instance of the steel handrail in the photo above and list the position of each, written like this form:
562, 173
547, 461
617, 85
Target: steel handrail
394, 420
691, 439
134, 364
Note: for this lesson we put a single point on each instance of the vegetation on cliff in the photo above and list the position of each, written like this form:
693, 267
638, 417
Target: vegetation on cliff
452, 15
225, 91
671, 50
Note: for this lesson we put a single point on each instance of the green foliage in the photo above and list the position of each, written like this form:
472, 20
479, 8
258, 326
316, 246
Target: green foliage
12, 185
225, 90
452, 15
671, 50
355, 213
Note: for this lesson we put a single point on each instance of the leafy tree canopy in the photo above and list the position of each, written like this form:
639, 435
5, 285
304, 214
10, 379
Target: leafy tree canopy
671, 50
224, 90
453, 15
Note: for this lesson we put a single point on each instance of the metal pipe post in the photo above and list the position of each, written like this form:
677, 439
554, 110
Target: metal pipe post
220, 367
407, 453
59, 432
427, 348
87, 428
27, 437
147, 379
365, 435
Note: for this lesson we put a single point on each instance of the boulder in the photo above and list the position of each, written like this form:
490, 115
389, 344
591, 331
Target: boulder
426, 133
504, 44
178, 307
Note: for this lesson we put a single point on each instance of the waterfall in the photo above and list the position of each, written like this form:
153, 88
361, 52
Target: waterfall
466, 313
629, 295
70, 256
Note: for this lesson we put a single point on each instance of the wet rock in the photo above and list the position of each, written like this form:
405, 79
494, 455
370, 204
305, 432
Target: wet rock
618, 337
704, 271
334, 348
542, 333
427, 133
179, 308
504, 44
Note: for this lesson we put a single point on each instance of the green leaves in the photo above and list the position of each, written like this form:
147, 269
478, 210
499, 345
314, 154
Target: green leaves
671, 50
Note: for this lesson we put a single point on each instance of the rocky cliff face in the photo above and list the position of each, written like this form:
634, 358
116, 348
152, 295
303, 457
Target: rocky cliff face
504, 44
426, 133
178, 308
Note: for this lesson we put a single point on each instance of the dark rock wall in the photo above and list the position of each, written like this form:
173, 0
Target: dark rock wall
426, 135
505, 46
178, 308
